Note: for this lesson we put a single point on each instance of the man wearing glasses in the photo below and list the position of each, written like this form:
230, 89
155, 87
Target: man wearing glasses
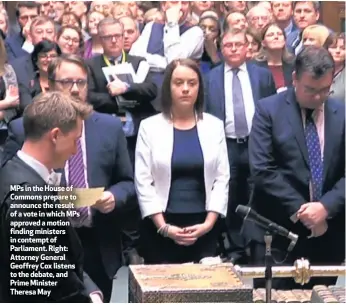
102, 160
124, 96
232, 92
297, 161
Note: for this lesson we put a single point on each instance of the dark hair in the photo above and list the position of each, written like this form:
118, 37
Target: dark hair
27, 4
315, 61
315, 4
73, 15
166, 94
336, 37
43, 47
287, 57
70, 58
78, 30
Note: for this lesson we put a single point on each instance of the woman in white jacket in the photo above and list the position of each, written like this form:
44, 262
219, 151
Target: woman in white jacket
181, 172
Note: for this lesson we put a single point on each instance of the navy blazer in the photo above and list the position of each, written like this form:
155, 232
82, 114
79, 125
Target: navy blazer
13, 46
25, 73
109, 166
279, 163
262, 84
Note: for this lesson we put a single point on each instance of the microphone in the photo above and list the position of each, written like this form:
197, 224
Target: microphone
251, 215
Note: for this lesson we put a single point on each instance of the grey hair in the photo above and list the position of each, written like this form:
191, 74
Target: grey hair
108, 21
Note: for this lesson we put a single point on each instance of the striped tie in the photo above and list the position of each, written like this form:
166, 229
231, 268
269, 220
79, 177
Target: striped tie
77, 179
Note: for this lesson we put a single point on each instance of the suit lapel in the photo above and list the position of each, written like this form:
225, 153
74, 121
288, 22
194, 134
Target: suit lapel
91, 145
332, 132
218, 85
295, 119
254, 80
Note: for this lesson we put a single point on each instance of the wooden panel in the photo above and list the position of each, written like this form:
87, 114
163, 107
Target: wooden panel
333, 15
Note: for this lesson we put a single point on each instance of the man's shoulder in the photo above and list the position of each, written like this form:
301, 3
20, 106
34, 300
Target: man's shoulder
107, 120
274, 102
17, 123
20, 62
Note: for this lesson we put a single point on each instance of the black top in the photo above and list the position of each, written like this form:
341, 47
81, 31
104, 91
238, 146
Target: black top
187, 192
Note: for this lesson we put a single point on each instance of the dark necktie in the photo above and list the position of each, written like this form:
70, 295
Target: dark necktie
77, 179
315, 156
240, 122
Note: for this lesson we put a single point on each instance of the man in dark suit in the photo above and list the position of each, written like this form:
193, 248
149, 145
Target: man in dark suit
103, 161
232, 91
121, 96
26, 11
52, 126
42, 28
297, 161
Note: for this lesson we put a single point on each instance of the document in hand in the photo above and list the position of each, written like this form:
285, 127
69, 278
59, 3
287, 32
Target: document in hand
118, 71
83, 197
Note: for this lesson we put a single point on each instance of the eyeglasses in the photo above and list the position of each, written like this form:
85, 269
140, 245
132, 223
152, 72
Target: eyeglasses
68, 84
70, 39
110, 37
313, 92
236, 45
46, 56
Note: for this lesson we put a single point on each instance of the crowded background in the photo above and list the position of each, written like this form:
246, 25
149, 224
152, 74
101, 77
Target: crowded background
205, 66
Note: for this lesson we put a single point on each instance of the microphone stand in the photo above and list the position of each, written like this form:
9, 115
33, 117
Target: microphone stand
268, 274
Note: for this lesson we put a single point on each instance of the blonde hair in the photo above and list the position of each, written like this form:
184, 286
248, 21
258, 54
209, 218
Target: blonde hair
320, 33
51, 110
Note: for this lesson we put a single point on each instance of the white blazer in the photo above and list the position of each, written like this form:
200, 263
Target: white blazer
153, 163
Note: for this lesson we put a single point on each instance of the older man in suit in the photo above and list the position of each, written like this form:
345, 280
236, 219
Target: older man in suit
102, 160
232, 91
297, 161
129, 99
52, 126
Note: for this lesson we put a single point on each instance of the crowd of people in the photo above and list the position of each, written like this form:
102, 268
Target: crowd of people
240, 103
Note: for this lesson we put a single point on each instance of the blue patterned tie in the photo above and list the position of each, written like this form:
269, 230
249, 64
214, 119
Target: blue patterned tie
77, 179
315, 156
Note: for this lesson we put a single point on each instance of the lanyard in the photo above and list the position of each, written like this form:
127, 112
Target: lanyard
123, 59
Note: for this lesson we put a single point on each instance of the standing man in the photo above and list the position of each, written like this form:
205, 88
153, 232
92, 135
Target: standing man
177, 38
305, 13
232, 91
297, 161
52, 125
102, 160
26, 11
128, 100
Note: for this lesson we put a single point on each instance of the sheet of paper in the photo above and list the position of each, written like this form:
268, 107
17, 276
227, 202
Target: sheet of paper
84, 197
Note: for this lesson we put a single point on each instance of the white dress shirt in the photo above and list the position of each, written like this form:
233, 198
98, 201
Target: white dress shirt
37, 166
189, 45
249, 104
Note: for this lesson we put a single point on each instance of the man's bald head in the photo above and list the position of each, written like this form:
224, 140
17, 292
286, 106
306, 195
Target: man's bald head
258, 17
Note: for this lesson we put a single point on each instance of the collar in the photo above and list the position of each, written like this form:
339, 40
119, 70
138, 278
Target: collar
242, 67
51, 178
289, 28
